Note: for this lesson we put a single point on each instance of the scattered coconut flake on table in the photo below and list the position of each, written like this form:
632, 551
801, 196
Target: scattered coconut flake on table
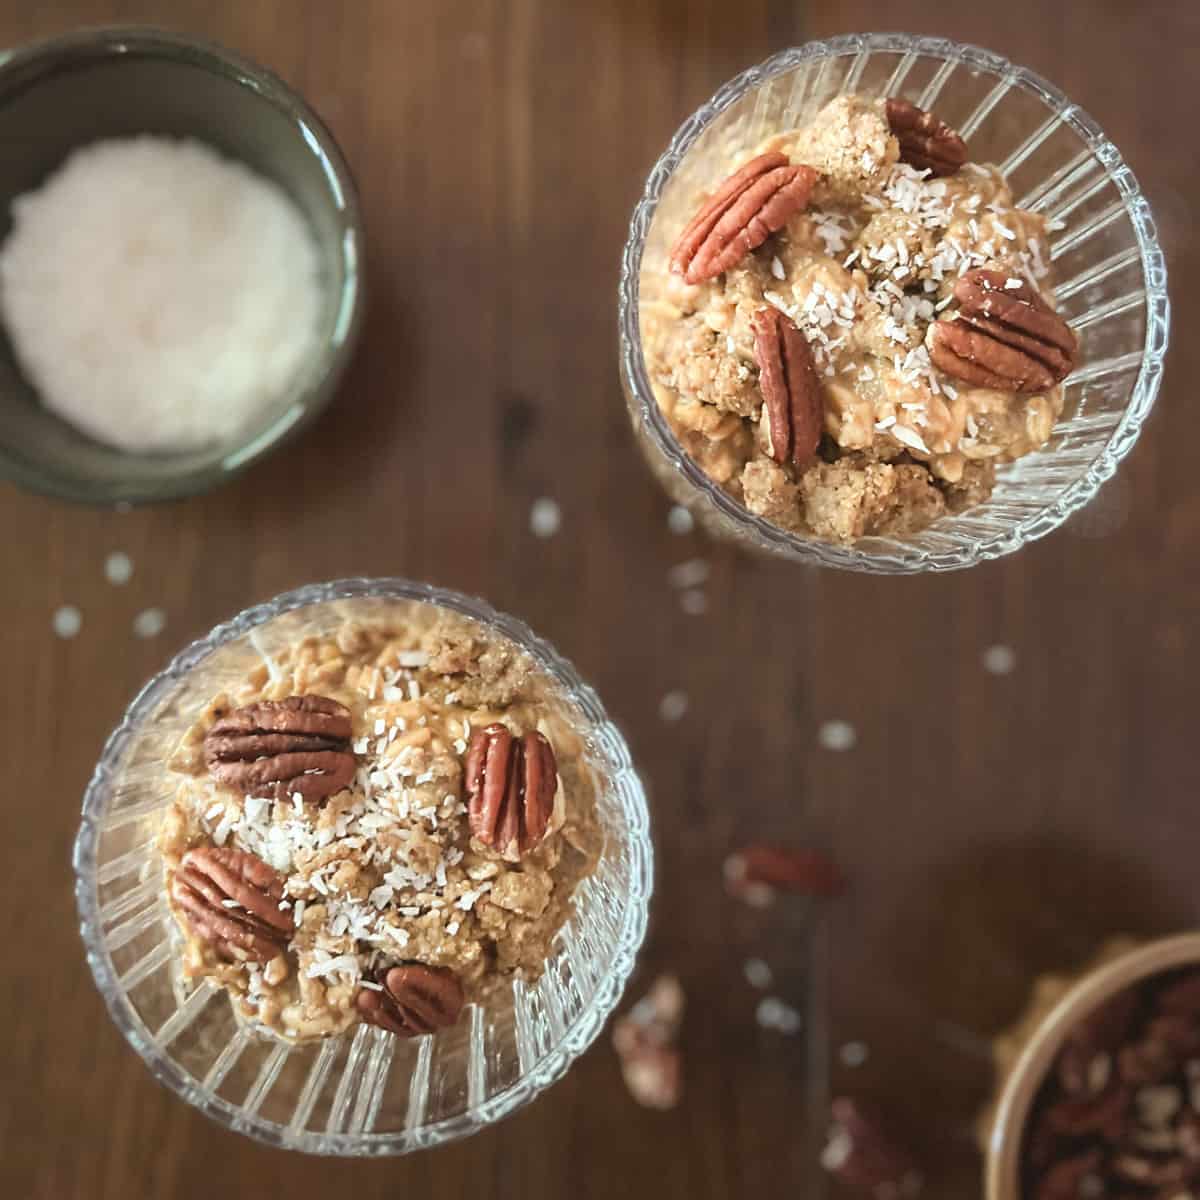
999, 660
693, 602
773, 1013
758, 973
673, 706
837, 735
158, 296
149, 622
118, 568
68, 621
690, 574
545, 518
853, 1054
680, 521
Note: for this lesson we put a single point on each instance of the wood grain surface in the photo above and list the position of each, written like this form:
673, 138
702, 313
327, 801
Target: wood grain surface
992, 825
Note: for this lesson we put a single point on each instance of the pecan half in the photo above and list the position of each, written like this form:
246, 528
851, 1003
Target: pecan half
926, 142
1005, 336
746, 209
862, 1155
279, 747
231, 899
755, 873
413, 1000
510, 789
790, 388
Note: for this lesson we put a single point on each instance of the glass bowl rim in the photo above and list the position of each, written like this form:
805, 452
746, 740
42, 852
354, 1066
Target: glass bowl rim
576, 1037
906, 560
100, 43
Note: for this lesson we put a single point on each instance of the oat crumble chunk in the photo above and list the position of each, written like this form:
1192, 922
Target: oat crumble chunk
887, 265
414, 887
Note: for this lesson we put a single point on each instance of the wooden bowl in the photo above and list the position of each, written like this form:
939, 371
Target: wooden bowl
1002, 1166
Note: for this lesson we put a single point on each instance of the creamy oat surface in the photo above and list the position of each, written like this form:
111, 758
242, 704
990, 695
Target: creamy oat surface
389, 870
864, 271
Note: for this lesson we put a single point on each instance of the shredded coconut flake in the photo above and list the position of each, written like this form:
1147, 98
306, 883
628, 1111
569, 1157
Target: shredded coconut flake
910, 438
115, 325
346, 964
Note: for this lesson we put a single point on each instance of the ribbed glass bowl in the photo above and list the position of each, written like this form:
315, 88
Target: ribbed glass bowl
1108, 269
366, 1092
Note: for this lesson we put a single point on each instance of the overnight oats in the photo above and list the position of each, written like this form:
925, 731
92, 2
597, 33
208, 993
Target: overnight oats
380, 824
857, 326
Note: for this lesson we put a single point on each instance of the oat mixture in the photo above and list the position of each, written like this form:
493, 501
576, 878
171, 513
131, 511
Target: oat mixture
380, 825
857, 327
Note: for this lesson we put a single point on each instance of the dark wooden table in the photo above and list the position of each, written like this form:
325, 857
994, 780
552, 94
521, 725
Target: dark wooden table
992, 825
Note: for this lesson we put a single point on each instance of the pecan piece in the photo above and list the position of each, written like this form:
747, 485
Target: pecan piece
1151, 1059
1178, 1033
1085, 1061
1181, 997
746, 209
511, 784
1005, 336
279, 747
926, 142
790, 388
755, 873
251, 927
413, 1000
1106, 1115
1158, 1106
646, 1042
861, 1155
653, 1074
1187, 1134
1063, 1180
1041, 1145
1147, 1171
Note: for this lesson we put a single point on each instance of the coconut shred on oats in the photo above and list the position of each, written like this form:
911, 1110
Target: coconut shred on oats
379, 826
856, 326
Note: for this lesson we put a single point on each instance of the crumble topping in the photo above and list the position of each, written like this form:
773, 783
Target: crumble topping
386, 871
863, 272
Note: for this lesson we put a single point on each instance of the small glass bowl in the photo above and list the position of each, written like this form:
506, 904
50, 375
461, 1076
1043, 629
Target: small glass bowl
63, 93
1108, 266
366, 1092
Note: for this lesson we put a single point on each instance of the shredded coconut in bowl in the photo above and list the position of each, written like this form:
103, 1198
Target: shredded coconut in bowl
158, 296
